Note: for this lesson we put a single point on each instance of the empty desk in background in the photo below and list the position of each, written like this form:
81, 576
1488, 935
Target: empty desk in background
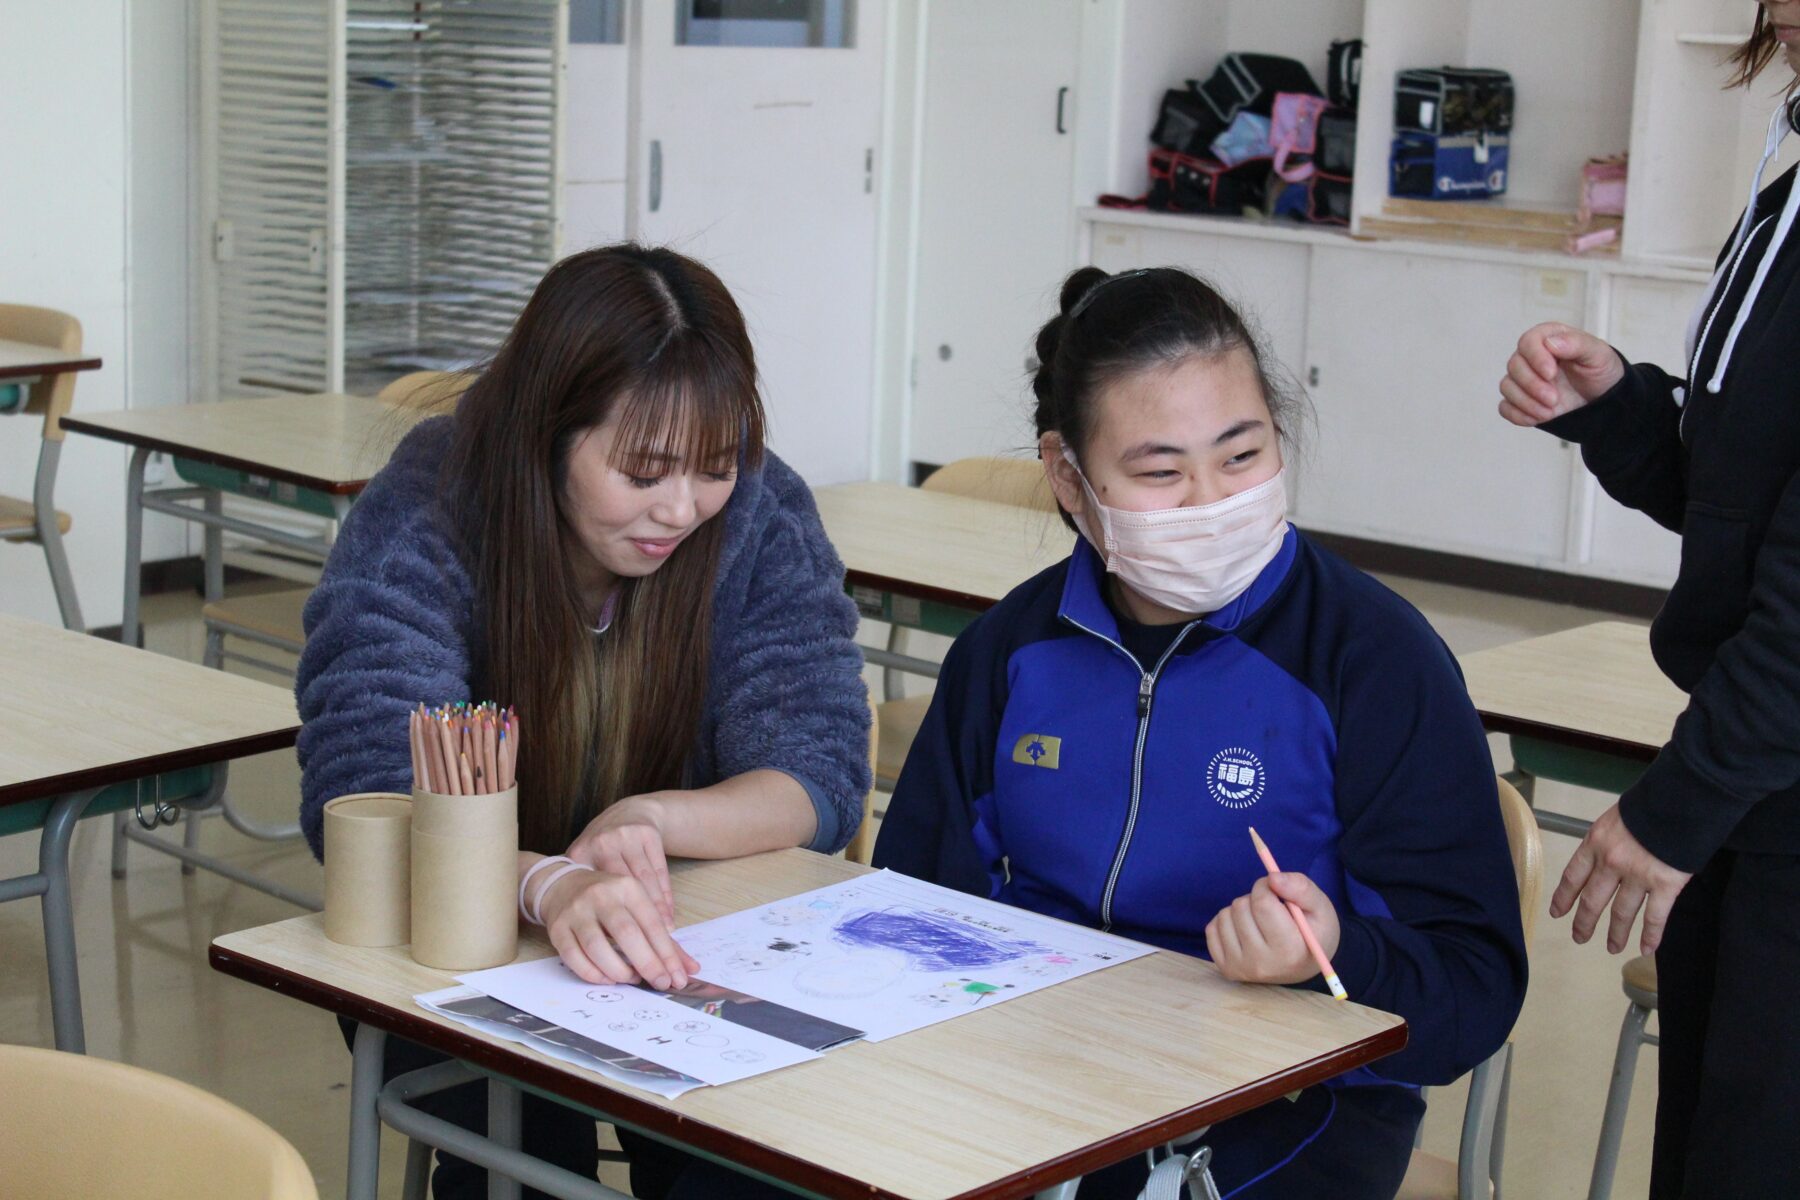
999, 1104
23, 364
1587, 706
78, 718
311, 453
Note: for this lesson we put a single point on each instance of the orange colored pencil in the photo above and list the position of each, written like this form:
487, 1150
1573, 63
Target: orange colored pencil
1306, 933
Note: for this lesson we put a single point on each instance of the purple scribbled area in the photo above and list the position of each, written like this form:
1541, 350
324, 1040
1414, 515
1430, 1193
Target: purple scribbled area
931, 942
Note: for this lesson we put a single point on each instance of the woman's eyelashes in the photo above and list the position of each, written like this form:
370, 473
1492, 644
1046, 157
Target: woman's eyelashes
650, 481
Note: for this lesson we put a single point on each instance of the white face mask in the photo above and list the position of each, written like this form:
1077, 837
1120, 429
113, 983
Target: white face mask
1190, 560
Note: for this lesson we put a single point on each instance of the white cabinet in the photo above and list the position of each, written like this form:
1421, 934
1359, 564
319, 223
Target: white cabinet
1407, 351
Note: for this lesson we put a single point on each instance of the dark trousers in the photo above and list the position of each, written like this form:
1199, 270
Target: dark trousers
1350, 1143
1728, 1008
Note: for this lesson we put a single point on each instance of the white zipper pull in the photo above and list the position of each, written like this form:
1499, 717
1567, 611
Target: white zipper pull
1144, 695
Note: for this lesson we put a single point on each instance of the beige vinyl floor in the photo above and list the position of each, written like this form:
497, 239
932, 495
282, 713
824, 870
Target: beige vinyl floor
152, 1000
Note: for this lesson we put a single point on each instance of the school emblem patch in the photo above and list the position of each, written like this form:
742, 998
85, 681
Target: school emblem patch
1038, 750
1236, 778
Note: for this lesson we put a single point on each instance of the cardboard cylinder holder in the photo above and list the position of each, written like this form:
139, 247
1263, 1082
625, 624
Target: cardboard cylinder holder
465, 880
368, 875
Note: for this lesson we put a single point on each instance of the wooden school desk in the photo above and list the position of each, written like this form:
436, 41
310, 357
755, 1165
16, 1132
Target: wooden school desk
1587, 706
997, 1104
23, 364
933, 561
78, 716
312, 453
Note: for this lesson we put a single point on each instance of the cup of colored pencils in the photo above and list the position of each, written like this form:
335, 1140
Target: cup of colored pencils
465, 835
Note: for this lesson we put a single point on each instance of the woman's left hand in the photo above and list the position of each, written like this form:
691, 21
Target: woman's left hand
1255, 939
1612, 865
627, 839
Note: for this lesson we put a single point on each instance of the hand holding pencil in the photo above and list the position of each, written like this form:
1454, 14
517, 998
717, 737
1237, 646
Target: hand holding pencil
1283, 930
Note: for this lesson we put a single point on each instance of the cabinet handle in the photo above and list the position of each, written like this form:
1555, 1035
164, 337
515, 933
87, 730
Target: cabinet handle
655, 174
1062, 96
1312, 377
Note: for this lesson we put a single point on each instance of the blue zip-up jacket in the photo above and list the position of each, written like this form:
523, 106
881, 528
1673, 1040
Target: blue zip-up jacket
1056, 772
390, 626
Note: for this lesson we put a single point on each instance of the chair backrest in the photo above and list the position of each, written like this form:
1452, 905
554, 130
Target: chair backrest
427, 389
80, 1126
1017, 481
862, 846
1527, 847
58, 331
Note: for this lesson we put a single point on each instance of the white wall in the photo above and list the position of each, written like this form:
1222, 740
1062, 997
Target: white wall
597, 88
87, 83
62, 245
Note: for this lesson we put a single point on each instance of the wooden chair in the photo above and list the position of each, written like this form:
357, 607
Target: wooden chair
1015, 481
1638, 979
37, 519
1476, 1172
862, 847
80, 1126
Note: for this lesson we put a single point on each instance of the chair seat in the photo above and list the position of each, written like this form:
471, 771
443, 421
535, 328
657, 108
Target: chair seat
19, 516
1639, 979
271, 614
898, 722
1428, 1177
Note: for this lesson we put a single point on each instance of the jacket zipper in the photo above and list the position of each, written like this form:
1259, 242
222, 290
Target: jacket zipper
1146, 695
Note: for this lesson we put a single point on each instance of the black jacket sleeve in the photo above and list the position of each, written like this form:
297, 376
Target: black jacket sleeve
1735, 743
1423, 833
1630, 439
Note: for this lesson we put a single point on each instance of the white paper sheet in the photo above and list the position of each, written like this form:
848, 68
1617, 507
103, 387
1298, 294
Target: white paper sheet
888, 954
640, 1022
469, 1007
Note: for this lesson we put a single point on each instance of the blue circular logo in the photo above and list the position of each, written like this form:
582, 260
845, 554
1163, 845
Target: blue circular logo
1235, 777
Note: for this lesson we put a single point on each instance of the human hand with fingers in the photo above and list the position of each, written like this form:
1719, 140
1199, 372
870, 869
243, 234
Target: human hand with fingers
627, 839
1612, 866
609, 928
1254, 939
1556, 369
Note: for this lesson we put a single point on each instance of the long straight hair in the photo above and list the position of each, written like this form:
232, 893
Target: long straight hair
653, 339
1755, 52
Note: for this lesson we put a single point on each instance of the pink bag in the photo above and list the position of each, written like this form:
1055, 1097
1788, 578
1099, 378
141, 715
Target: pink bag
1602, 188
1294, 130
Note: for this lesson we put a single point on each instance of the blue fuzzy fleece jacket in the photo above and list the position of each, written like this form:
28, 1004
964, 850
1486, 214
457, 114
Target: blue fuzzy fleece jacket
391, 622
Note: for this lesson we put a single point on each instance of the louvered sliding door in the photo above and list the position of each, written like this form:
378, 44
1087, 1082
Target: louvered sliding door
383, 184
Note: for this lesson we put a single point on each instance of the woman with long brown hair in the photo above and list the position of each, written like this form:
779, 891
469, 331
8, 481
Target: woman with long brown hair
1707, 843
598, 537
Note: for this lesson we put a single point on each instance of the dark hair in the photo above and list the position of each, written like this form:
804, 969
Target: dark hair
653, 337
1112, 326
1756, 52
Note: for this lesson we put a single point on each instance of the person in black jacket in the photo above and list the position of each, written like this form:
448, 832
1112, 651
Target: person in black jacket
1707, 842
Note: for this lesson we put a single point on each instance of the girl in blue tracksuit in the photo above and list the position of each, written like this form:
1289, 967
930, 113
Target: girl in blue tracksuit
1101, 740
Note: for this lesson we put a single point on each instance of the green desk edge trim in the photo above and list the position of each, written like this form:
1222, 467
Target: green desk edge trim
259, 487
1583, 768
928, 615
185, 784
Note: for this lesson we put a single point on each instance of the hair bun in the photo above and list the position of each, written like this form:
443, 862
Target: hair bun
1079, 284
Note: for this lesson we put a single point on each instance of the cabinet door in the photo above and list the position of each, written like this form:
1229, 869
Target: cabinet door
1648, 324
1409, 350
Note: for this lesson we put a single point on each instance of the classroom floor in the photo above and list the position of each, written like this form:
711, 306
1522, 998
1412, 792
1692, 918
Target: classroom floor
151, 999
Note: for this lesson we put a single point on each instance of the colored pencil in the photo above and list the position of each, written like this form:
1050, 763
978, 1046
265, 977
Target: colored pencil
1306, 933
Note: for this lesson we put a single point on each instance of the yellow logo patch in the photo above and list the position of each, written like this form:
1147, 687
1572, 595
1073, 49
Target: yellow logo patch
1038, 750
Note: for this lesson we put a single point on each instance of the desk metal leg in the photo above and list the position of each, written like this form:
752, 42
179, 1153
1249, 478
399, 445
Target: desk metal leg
59, 920
1062, 1191
129, 632
365, 1118
504, 1130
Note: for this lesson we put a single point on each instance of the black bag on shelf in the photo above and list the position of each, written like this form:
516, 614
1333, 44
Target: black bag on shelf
1182, 183
1251, 81
1328, 199
1343, 78
1337, 142
1186, 123
1453, 101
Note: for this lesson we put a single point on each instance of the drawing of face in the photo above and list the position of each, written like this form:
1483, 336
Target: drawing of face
939, 999
742, 1056
648, 1014
851, 976
793, 914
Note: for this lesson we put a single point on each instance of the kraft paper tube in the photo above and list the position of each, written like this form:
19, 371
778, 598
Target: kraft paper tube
368, 877
465, 882
465, 816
